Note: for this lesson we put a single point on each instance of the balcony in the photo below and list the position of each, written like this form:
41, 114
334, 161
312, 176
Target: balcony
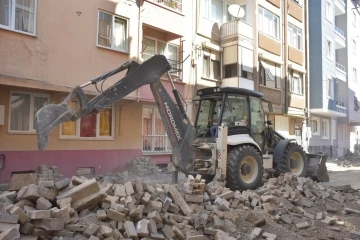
340, 7
174, 4
340, 39
236, 30
176, 66
341, 106
170, 10
340, 72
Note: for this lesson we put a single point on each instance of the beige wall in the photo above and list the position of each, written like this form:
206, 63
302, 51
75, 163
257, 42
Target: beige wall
127, 129
64, 51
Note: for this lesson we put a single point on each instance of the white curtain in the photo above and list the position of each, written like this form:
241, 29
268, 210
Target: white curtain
20, 112
25, 15
120, 34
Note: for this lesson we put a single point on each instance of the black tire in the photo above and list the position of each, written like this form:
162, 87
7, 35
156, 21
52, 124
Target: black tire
285, 166
235, 159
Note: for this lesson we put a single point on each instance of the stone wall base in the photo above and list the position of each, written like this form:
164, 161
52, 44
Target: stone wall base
331, 151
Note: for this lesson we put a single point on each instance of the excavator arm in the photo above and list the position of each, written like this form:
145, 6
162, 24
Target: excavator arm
177, 124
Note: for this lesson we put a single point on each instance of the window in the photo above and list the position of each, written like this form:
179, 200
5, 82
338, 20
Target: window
23, 107
18, 15
295, 36
270, 74
354, 47
154, 137
213, 10
247, 63
296, 82
329, 11
354, 75
170, 51
354, 18
330, 88
325, 128
269, 23
112, 32
211, 64
314, 124
98, 126
329, 49
344, 131
230, 70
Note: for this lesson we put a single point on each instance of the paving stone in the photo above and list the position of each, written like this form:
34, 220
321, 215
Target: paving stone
130, 229
10, 234
50, 224
43, 204
302, 225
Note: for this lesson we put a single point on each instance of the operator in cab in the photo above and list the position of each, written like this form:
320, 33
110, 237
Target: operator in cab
226, 119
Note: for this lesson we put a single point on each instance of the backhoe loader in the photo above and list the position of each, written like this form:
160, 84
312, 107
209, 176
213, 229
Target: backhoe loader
230, 140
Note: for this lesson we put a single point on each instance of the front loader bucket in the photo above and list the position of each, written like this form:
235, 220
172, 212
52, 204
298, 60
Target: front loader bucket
47, 118
316, 167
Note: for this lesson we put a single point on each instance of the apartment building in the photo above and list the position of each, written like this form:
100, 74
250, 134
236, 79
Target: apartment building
348, 127
264, 50
333, 76
49, 47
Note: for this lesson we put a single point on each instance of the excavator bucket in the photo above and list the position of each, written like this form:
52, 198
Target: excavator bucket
49, 117
316, 167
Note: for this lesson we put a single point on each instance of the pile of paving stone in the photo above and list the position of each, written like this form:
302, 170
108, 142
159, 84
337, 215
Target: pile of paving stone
81, 208
142, 166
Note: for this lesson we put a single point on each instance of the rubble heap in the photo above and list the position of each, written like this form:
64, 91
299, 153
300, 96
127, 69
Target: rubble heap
142, 166
81, 208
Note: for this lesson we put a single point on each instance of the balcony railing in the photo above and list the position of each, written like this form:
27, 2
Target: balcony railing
341, 2
340, 32
340, 67
176, 66
340, 101
234, 28
156, 144
174, 4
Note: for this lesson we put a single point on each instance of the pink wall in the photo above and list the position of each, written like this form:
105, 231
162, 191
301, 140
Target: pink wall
68, 161
146, 94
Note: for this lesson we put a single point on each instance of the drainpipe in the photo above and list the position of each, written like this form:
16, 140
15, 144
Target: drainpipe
307, 68
285, 54
255, 47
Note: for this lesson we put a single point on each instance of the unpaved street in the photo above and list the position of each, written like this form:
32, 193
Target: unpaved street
343, 175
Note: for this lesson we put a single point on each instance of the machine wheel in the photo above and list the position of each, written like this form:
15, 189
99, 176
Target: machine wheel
294, 160
244, 168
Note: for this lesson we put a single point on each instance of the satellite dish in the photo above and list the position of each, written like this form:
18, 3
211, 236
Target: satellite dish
236, 11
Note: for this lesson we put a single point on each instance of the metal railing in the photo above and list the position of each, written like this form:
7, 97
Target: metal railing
174, 4
340, 67
156, 144
342, 2
340, 101
176, 66
340, 32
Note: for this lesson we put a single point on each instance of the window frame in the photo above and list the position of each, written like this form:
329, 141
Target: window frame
331, 57
127, 20
330, 87
78, 127
291, 28
31, 118
260, 25
156, 46
317, 121
354, 47
12, 20
344, 131
326, 131
331, 17
262, 68
354, 18
211, 69
301, 81
354, 75
167, 143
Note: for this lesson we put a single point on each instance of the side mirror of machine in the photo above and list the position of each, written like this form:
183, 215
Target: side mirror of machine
269, 122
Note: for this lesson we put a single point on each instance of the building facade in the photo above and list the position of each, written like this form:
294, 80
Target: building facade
333, 76
264, 50
47, 48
